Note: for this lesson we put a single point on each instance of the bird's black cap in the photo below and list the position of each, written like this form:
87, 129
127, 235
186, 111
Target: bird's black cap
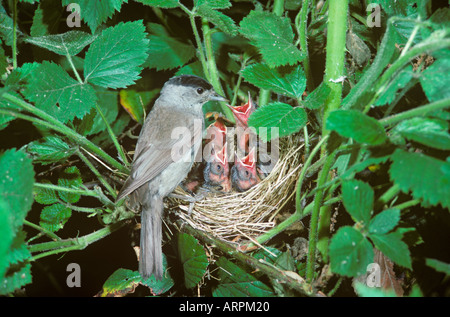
190, 81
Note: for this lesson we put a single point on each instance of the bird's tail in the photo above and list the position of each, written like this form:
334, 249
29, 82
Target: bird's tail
150, 258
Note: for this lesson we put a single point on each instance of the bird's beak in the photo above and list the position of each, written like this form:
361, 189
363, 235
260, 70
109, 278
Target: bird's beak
216, 96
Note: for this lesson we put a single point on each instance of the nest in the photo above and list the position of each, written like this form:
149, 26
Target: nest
251, 213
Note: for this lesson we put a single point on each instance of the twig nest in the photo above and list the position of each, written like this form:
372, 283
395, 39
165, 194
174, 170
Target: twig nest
251, 213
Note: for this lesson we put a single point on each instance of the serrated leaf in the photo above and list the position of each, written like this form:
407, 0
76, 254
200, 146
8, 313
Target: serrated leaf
71, 178
7, 234
427, 131
194, 259
220, 20
385, 221
49, 150
166, 4
397, 83
429, 181
16, 186
435, 80
16, 280
214, 4
58, 94
358, 198
94, 13
289, 81
439, 266
393, 247
356, 125
158, 287
120, 283
317, 98
69, 43
350, 252
273, 36
114, 59
54, 217
235, 282
44, 195
167, 53
277, 120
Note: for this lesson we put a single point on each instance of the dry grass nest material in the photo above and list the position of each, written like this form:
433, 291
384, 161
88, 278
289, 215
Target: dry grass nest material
251, 213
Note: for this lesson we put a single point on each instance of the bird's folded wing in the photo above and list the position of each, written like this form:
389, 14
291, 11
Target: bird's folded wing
154, 151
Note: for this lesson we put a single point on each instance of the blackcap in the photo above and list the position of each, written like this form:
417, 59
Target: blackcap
166, 149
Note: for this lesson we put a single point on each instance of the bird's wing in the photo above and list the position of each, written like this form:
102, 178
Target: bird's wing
155, 145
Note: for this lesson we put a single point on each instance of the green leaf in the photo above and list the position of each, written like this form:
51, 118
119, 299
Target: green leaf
356, 125
273, 36
214, 4
385, 221
317, 98
399, 81
49, 150
220, 20
194, 259
429, 132
350, 252
54, 217
45, 196
393, 247
120, 283
94, 13
7, 234
69, 43
71, 178
167, 53
438, 266
58, 94
135, 102
289, 81
277, 120
166, 4
435, 80
114, 59
235, 282
158, 287
430, 180
16, 279
358, 200
16, 186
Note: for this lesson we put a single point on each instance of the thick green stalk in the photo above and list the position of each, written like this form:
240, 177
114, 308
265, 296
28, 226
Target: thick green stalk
56, 125
334, 72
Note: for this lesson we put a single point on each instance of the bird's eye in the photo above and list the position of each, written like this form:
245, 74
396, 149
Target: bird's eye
200, 91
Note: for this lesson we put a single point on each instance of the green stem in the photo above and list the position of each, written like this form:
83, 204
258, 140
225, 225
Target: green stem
212, 67
96, 173
407, 204
313, 227
335, 48
14, 45
48, 233
278, 7
69, 58
66, 189
113, 136
303, 173
56, 125
419, 111
56, 247
303, 34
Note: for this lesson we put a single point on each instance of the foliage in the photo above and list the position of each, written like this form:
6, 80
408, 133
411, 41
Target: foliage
370, 103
